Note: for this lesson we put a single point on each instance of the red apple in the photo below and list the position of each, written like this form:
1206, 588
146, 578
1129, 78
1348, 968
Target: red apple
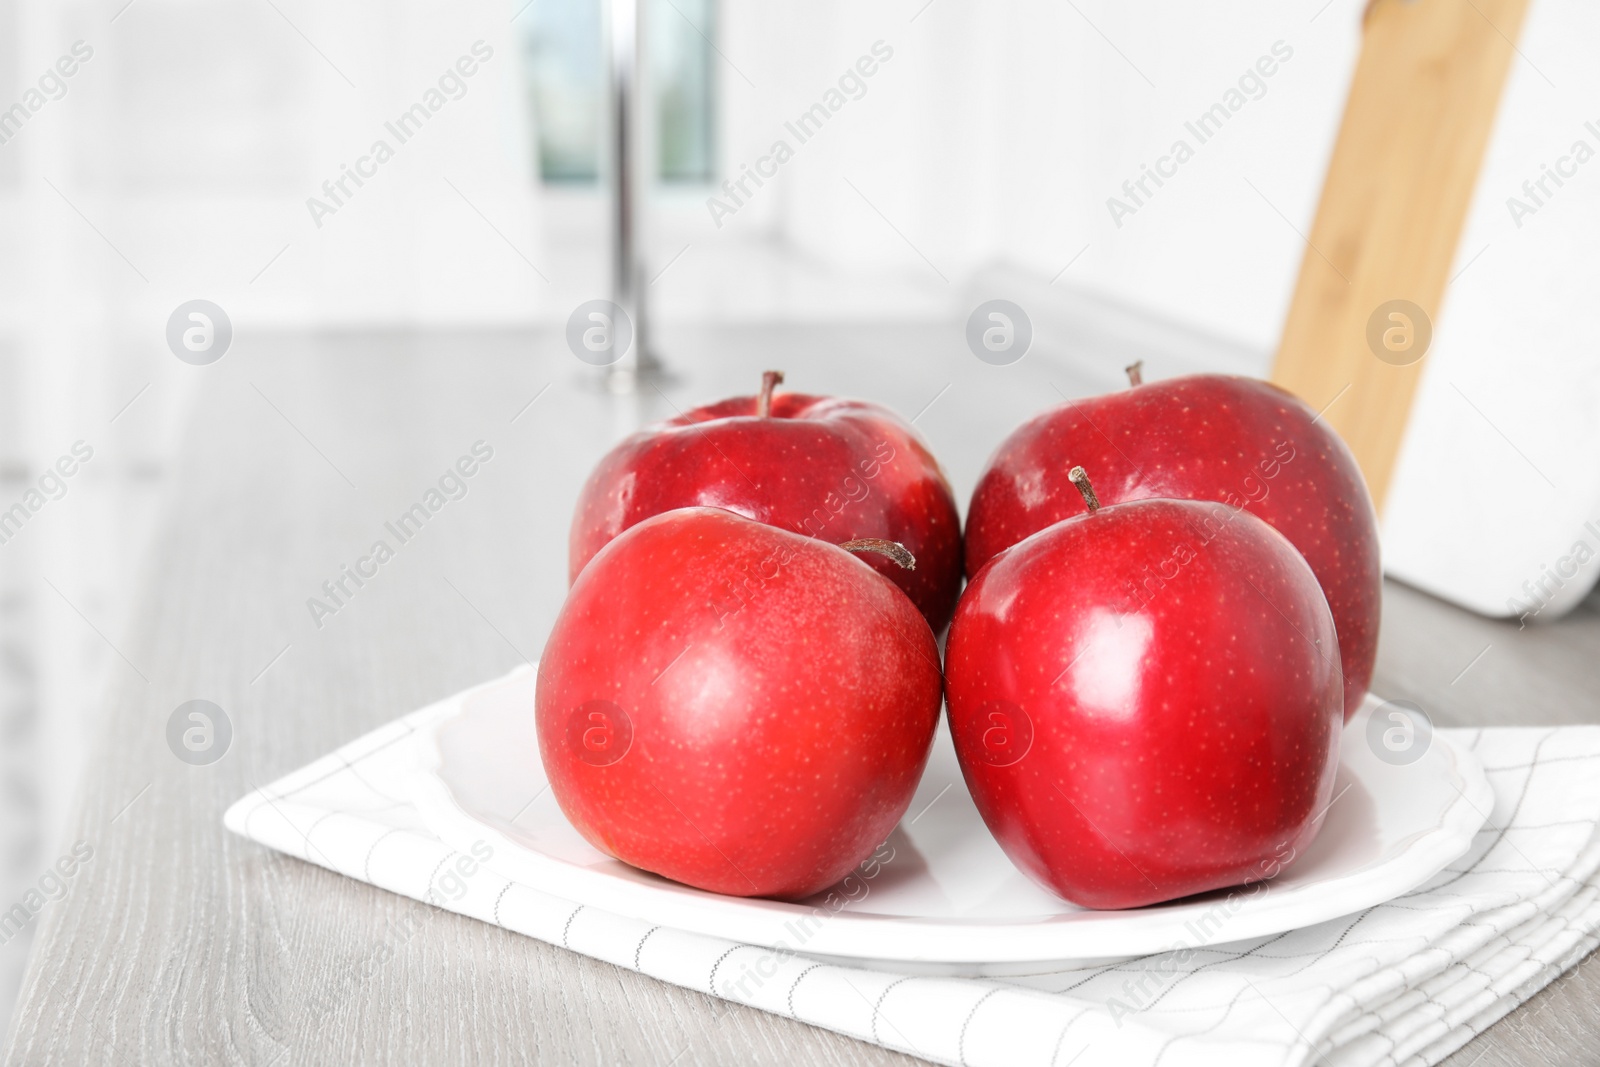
1236, 440
1146, 702
828, 468
734, 706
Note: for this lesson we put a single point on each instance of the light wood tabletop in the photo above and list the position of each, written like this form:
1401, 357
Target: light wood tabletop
179, 943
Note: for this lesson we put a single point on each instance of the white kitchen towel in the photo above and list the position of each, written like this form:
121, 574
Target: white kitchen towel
1406, 982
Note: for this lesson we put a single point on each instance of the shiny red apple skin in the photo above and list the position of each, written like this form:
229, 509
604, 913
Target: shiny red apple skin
1204, 437
781, 698
832, 468
1130, 747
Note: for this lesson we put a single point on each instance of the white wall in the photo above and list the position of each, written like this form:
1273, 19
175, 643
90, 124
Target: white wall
997, 133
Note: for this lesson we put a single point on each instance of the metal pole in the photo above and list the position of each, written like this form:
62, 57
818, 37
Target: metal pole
630, 179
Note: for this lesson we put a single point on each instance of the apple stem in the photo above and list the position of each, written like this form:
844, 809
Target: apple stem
893, 549
1135, 372
1080, 478
770, 380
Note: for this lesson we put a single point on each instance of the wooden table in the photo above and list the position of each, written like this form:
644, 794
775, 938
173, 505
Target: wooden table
182, 944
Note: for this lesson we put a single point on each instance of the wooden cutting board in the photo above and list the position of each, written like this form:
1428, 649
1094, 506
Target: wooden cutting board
1421, 107
1445, 312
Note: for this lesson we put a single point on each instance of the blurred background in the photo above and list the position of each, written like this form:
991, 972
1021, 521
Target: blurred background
191, 152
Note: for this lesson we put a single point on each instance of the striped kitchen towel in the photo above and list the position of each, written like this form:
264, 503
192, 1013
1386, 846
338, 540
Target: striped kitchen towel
1406, 982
